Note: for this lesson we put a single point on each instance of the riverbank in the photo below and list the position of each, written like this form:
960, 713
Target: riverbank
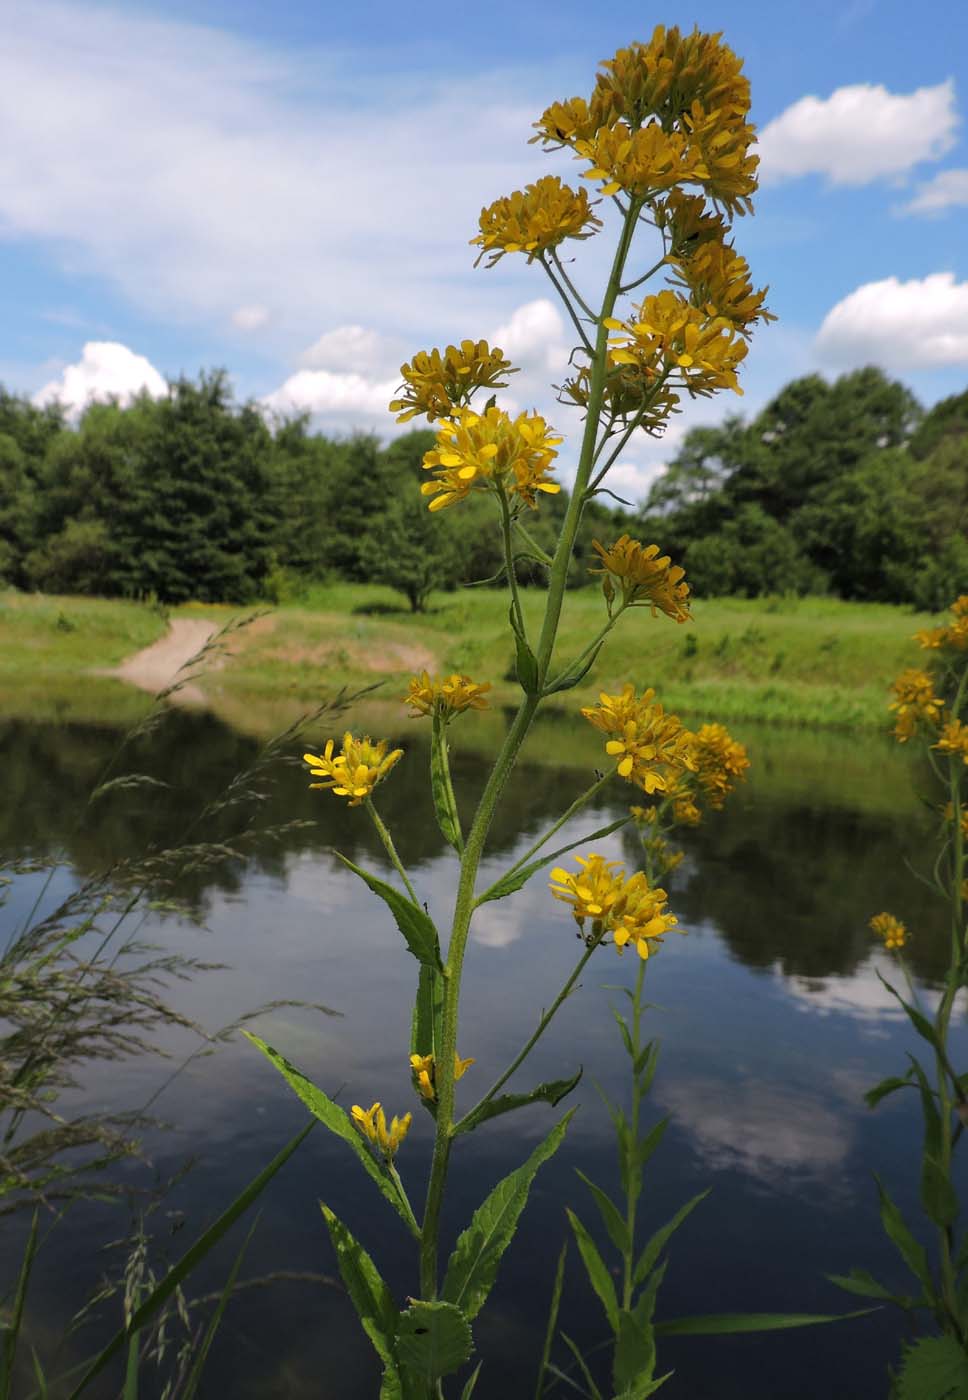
814, 662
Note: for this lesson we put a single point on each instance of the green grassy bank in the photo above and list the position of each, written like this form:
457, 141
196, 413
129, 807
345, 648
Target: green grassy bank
814, 662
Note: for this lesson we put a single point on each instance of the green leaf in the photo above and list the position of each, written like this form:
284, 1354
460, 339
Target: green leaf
646, 1066
525, 662
723, 1324
887, 1086
938, 1195
202, 1246
645, 1147
864, 1284
516, 879
433, 1339
935, 1368
553, 1091
11, 1329
372, 1299
573, 674
658, 1242
929, 1110
596, 1269
549, 1336
625, 1032
897, 1231
634, 1359
201, 1355
473, 1266
580, 1361
468, 1390
416, 926
338, 1122
445, 806
917, 1018
612, 1217
428, 1009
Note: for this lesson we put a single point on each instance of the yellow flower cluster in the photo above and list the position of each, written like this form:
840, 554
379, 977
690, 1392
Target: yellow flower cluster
720, 761
671, 73
890, 929
668, 335
644, 576
486, 451
422, 1067
533, 219
627, 393
954, 739
916, 703
688, 223
447, 698
717, 279
953, 637
436, 383
355, 771
631, 911
641, 162
372, 1124
651, 746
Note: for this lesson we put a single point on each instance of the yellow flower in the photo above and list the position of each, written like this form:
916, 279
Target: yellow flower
668, 335
954, 739
718, 281
666, 76
356, 769
646, 741
372, 1124
916, 703
641, 162
448, 697
890, 929
538, 217
422, 1067
719, 762
630, 910
688, 223
952, 638
628, 392
436, 383
644, 576
726, 169
949, 816
489, 451
564, 123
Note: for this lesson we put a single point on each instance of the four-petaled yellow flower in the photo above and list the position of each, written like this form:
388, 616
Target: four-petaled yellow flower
538, 217
954, 739
447, 698
422, 1067
372, 1124
645, 577
355, 771
719, 762
668, 335
436, 383
890, 929
629, 910
650, 745
916, 703
490, 451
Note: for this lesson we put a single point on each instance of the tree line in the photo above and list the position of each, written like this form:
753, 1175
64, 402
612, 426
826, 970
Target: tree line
848, 488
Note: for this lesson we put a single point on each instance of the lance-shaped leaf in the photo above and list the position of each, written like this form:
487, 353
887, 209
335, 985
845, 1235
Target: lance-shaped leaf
935, 1368
427, 1011
596, 1269
525, 662
516, 879
413, 922
553, 1091
445, 805
938, 1195
912, 1252
887, 1086
372, 1299
650, 1254
865, 1285
613, 1219
473, 1266
917, 1018
573, 674
338, 1122
433, 1339
633, 1364
723, 1324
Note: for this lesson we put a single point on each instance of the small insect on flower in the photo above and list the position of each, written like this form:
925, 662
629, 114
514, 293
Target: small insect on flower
355, 771
372, 1124
891, 930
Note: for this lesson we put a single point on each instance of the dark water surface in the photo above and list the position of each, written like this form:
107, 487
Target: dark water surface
771, 1016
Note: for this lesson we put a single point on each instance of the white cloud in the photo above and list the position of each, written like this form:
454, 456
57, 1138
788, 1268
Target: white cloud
351, 396
859, 133
947, 189
345, 346
921, 324
105, 370
534, 337
250, 318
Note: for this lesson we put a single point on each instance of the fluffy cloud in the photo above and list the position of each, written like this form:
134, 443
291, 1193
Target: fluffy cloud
345, 346
355, 399
859, 133
105, 370
250, 318
534, 337
947, 189
921, 324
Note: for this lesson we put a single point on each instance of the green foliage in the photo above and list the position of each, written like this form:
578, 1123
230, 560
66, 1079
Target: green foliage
433, 1339
416, 926
935, 1368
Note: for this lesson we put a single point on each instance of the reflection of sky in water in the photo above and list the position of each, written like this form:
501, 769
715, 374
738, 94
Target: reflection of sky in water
772, 1023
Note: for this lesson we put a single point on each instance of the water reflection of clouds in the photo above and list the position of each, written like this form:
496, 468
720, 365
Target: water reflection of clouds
771, 1132
860, 994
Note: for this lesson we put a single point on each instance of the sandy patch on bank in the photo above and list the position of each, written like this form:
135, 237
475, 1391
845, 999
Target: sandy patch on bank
159, 666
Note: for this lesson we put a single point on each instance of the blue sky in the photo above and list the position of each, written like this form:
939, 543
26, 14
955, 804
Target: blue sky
287, 191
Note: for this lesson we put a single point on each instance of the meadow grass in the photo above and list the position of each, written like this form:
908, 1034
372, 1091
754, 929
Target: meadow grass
818, 663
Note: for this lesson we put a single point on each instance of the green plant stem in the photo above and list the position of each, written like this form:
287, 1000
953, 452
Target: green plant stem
627, 434
542, 556
404, 1198
566, 302
539, 1031
594, 644
632, 1195
389, 847
509, 565
570, 284
575, 807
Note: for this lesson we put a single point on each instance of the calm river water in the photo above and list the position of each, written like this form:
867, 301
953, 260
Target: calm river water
770, 1013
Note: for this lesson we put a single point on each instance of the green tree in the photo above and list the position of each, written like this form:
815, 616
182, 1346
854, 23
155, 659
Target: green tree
409, 551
